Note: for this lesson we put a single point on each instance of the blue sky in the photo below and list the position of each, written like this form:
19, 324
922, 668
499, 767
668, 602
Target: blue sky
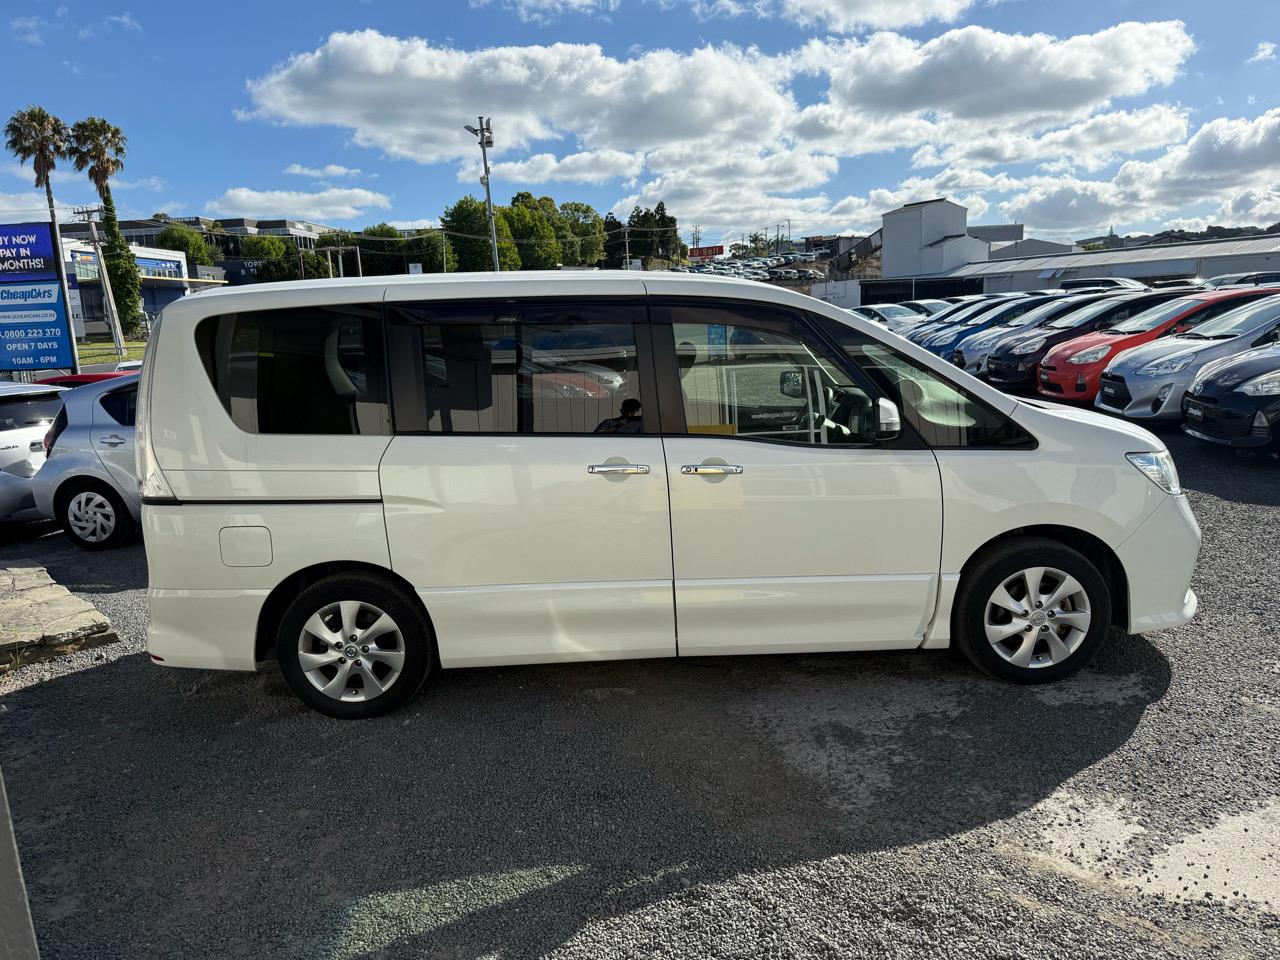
1070, 117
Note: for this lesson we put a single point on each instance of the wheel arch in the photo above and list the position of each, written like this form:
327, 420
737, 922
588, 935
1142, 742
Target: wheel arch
1096, 550
286, 590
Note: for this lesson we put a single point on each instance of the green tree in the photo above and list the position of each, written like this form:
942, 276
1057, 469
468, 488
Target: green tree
614, 241
278, 260
467, 226
583, 239
198, 250
98, 147
534, 235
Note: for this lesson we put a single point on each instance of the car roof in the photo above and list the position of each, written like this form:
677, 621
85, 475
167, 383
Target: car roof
28, 389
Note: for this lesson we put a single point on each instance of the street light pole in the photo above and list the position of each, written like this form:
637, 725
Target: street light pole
484, 133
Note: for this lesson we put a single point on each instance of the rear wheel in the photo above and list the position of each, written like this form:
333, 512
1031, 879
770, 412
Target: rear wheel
94, 516
1032, 611
354, 646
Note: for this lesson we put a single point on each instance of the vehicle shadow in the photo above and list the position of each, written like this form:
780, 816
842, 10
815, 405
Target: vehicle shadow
82, 571
1254, 479
504, 810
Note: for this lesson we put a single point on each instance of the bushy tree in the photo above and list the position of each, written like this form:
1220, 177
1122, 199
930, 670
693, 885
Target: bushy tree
614, 241
583, 240
534, 235
467, 226
188, 241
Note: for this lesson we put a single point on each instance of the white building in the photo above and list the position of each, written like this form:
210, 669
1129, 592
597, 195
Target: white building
927, 238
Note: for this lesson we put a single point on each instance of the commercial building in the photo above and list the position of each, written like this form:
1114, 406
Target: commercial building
1165, 261
164, 279
929, 237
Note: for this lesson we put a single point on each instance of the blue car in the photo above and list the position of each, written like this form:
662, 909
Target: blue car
943, 343
951, 318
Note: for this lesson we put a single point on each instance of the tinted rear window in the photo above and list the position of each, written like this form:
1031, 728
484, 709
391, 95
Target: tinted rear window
305, 370
29, 410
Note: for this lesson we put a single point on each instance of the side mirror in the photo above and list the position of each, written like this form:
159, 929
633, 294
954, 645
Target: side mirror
791, 384
888, 420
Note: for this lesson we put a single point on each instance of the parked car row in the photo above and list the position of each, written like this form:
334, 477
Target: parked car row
1205, 354
784, 267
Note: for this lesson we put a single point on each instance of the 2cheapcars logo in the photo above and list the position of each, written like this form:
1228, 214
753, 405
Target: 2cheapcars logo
27, 295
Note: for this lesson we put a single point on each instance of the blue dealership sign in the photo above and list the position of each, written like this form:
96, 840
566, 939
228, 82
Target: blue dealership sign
33, 327
26, 253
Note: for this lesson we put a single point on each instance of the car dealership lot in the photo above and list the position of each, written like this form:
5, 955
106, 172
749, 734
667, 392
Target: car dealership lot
869, 804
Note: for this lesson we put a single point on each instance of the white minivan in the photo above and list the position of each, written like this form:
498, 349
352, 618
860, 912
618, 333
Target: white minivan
369, 479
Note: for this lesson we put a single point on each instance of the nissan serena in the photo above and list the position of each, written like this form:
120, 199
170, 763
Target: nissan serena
370, 479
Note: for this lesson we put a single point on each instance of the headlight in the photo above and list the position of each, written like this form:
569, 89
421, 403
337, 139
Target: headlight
1159, 468
1176, 364
1031, 346
1090, 356
1267, 385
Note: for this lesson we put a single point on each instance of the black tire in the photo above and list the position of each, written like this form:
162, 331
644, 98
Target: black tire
369, 589
1000, 565
123, 524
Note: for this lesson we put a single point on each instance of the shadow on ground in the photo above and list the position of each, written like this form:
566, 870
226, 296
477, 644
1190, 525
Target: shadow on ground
503, 810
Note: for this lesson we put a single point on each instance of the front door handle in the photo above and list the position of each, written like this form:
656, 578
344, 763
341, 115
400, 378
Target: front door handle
112, 440
710, 469
618, 469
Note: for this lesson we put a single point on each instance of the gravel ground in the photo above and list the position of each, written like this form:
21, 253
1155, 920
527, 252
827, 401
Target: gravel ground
895, 805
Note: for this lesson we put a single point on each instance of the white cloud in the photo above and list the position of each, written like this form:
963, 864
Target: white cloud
143, 183
332, 204
720, 133
27, 29
21, 207
978, 74
1265, 51
328, 171
426, 223
124, 21
590, 166
544, 11
846, 16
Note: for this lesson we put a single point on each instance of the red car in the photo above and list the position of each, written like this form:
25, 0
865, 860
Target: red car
1071, 370
78, 379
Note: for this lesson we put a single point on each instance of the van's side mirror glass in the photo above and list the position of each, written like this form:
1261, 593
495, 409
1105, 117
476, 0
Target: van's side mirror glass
888, 420
791, 384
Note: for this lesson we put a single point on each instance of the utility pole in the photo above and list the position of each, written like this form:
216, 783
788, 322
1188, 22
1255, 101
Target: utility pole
359, 265
484, 133
444, 252
61, 261
302, 270
108, 298
697, 235
626, 247
328, 259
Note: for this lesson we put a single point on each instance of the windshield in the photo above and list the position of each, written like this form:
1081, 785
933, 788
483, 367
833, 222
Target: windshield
1157, 315
895, 312
1010, 314
1084, 314
1238, 321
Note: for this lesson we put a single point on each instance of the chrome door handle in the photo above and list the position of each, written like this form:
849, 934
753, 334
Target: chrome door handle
616, 469
710, 469
112, 440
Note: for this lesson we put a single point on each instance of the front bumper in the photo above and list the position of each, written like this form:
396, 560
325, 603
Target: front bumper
1159, 559
1233, 419
1142, 398
1067, 381
1012, 372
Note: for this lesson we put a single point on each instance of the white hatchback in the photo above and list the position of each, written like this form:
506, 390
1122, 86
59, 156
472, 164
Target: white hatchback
368, 479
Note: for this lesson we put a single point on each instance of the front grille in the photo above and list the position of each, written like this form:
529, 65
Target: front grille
1114, 391
1214, 420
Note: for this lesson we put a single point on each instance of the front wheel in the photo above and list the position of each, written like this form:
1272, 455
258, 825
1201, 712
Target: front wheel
1032, 611
354, 646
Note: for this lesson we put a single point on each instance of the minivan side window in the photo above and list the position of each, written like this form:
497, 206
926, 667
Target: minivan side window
942, 413
302, 370
517, 368
752, 373
122, 405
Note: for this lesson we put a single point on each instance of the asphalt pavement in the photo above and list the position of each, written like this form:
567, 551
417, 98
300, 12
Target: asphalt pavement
864, 805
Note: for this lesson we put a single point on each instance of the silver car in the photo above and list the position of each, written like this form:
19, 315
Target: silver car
26, 410
88, 480
1148, 381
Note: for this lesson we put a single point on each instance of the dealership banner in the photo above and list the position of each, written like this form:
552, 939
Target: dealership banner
26, 253
706, 253
33, 327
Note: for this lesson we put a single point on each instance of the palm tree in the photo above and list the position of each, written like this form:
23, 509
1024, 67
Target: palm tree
98, 147
36, 136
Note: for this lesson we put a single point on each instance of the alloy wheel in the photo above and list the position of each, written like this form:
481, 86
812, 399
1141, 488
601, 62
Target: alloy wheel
351, 651
1037, 618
